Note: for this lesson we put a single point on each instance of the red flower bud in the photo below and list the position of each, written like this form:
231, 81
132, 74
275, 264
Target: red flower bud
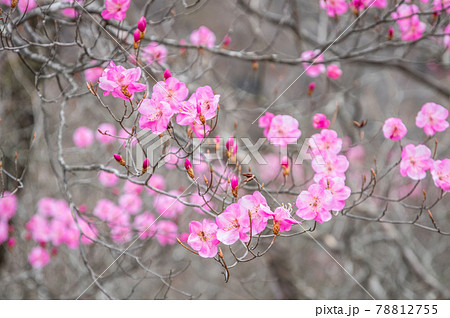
234, 186
119, 159
167, 74
142, 24
137, 36
311, 88
188, 166
145, 165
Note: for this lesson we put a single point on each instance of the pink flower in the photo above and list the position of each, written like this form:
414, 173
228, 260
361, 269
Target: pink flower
88, 231
171, 91
201, 106
432, 118
253, 204
166, 232
394, 129
8, 206
265, 121
38, 257
234, 224
415, 161
326, 142
200, 131
283, 130
440, 5
203, 36
104, 209
145, 225
39, 228
311, 68
320, 121
93, 74
362, 4
156, 115
154, 52
107, 179
440, 171
339, 191
157, 182
315, 204
130, 203
108, 133
121, 233
121, 82
409, 23
169, 207
282, 216
4, 233
331, 166
132, 188
83, 137
334, 7
333, 71
115, 9
71, 13
23, 5
447, 36
203, 238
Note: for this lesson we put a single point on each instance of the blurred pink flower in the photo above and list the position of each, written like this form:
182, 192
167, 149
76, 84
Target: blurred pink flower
121, 82
313, 68
4, 234
156, 181
283, 130
394, 129
83, 137
447, 36
203, 36
315, 204
154, 52
166, 232
203, 238
432, 118
145, 225
131, 203
234, 224
39, 257
440, 5
169, 207
265, 121
8, 206
409, 23
107, 179
72, 13
333, 71
93, 74
415, 161
440, 171
334, 7
115, 9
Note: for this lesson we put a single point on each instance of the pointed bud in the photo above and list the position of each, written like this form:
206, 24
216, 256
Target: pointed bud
276, 227
234, 186
119, 159
137, 36
311, 88
189, 170
167, 74
145, 165
255, 65
142, 24
391, 33
231, 146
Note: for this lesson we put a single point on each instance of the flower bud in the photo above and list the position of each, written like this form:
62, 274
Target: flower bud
142, 24
145, 165
11, 242
276, 227
226, 41
119, 159
234, 186
217, 142
285, 165
137, 36
188, 166
167, 74
311, 88
390, 33
231, 146
14, 3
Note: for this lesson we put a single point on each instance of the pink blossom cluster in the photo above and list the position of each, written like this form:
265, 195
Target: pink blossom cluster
280, 130
203, 36
53, 226
248, 217
408, 22
334, 7
314, 67
169, 99
8, 208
